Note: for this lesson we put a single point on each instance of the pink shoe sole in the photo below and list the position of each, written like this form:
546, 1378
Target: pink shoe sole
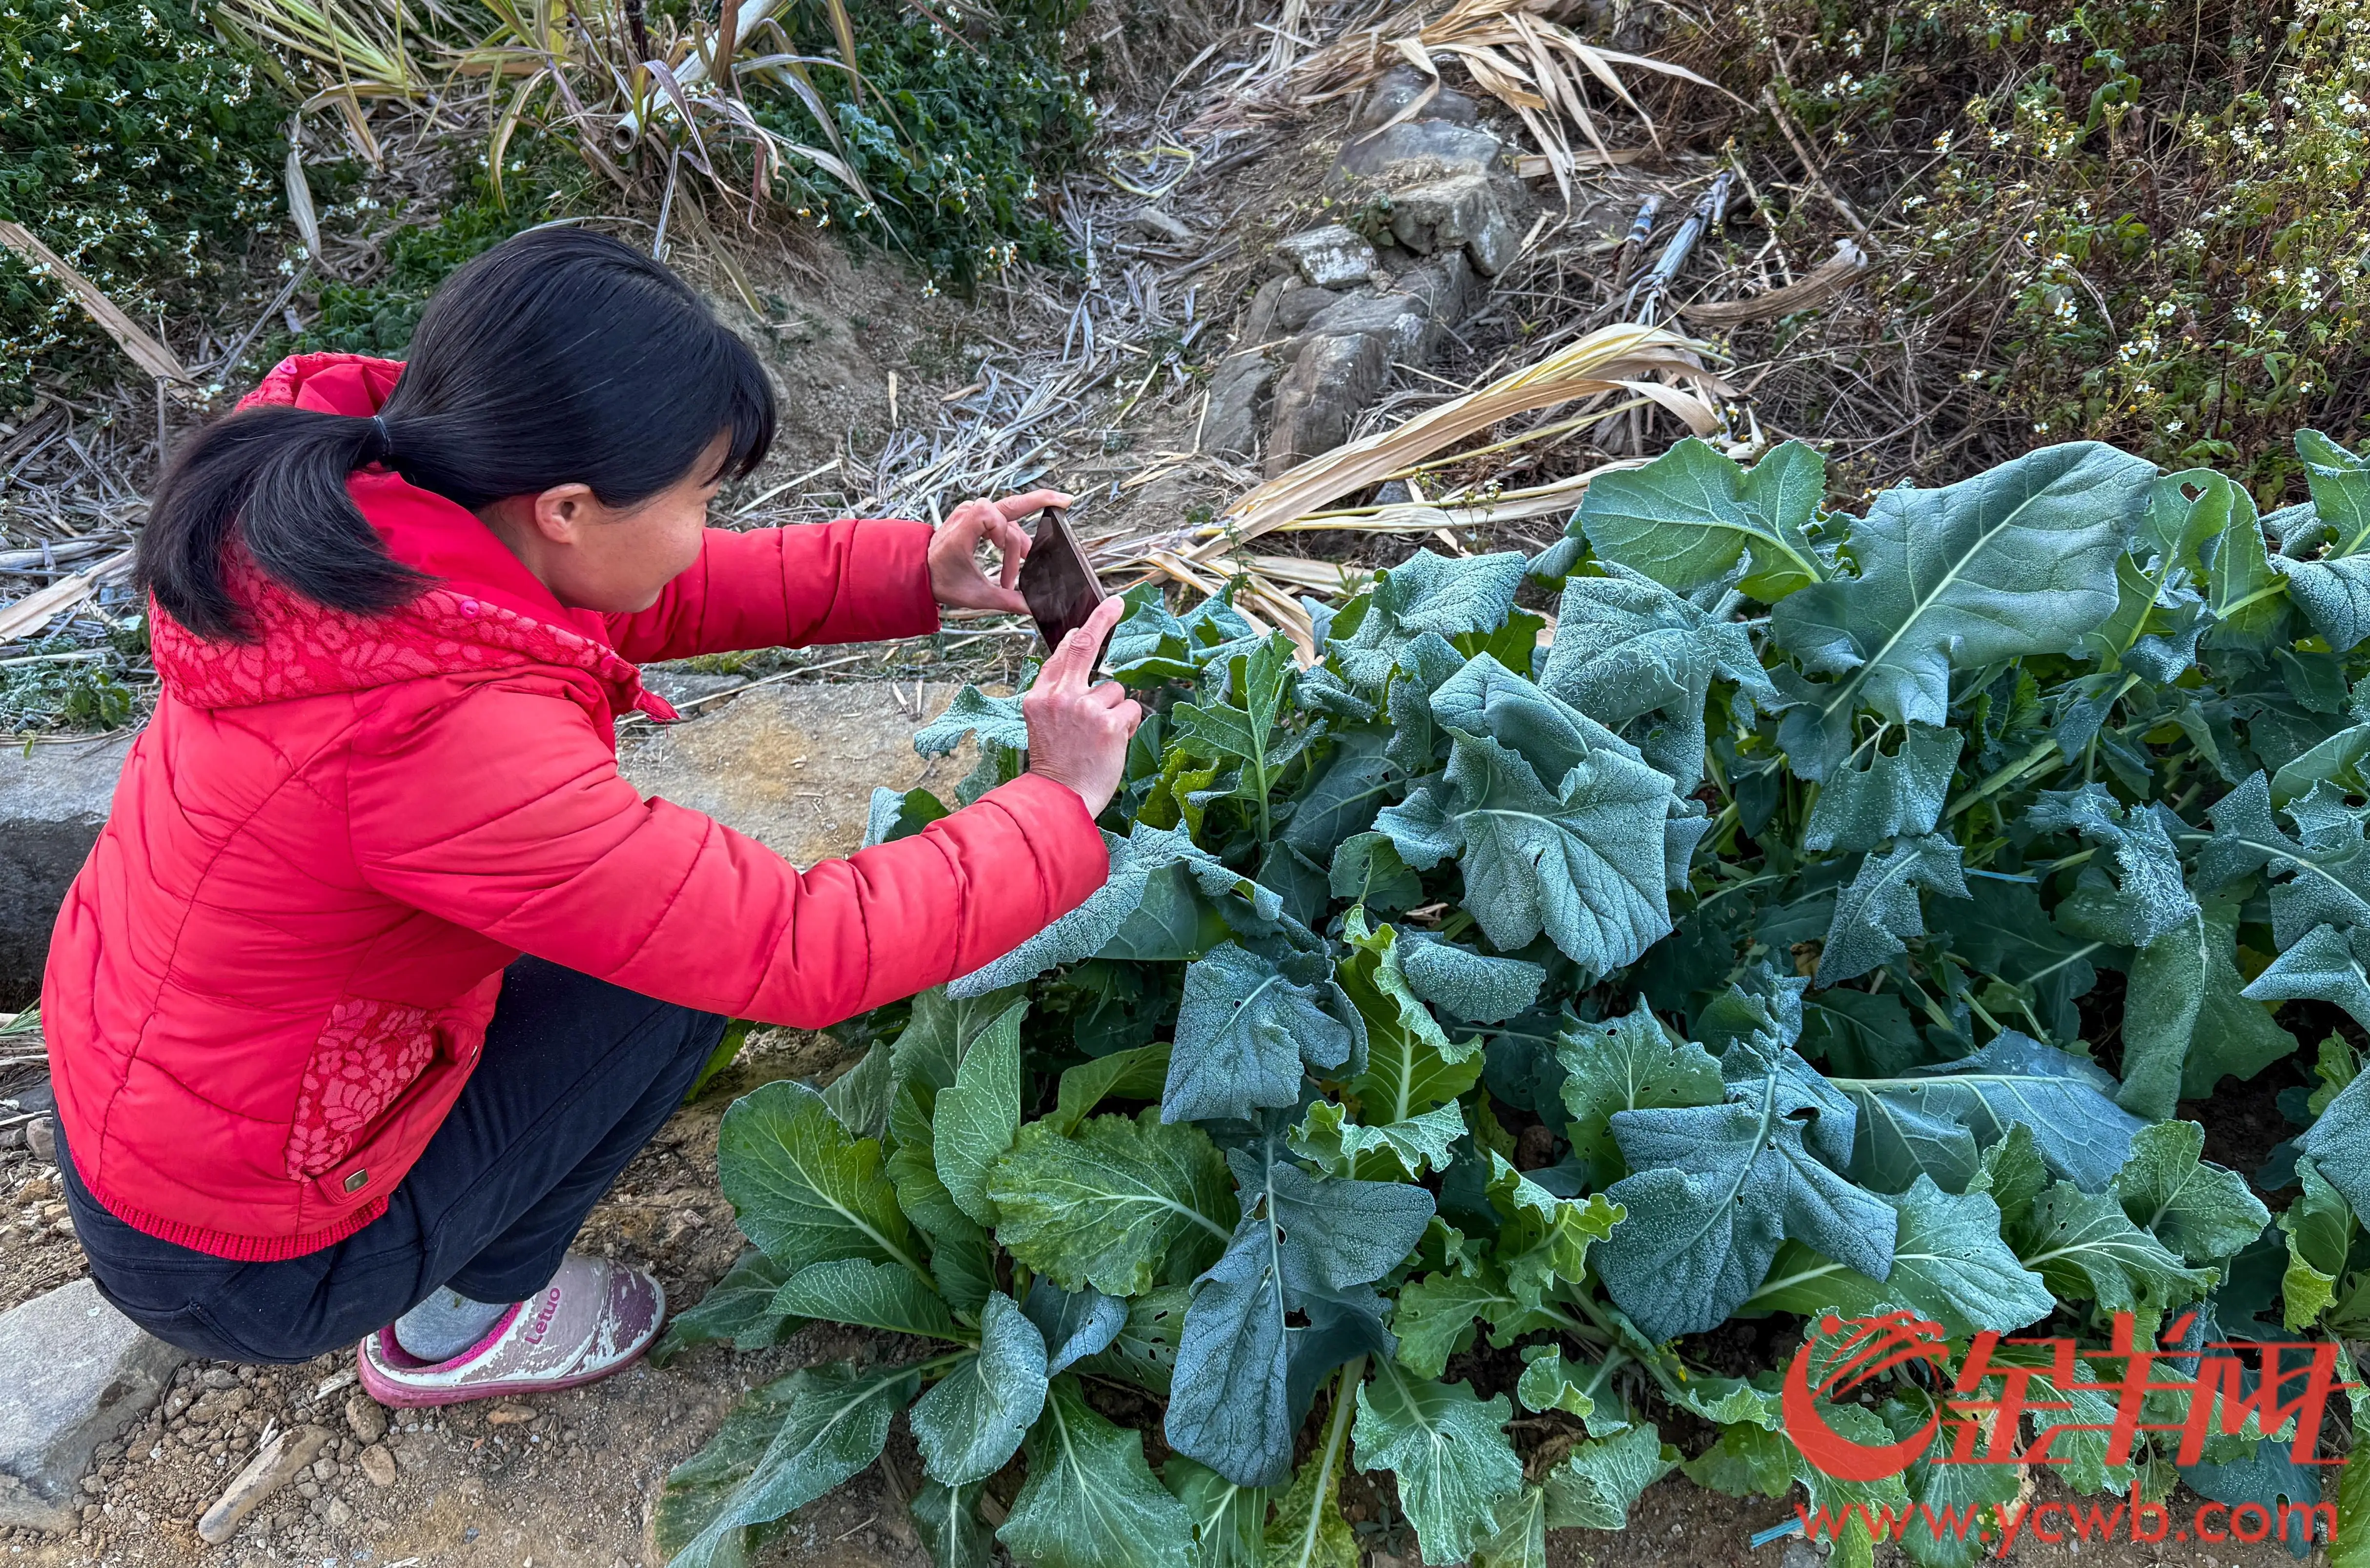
595, 1319
411, 1396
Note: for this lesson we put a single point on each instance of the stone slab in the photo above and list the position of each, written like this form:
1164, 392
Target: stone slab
52, 803
1400, 86
78, 1370
1331, 256
1465, 210
1401, 320
1419, 150
794, 767
1329, 383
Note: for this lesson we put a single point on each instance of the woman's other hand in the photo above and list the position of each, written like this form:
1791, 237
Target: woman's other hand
1077, 731
955, 579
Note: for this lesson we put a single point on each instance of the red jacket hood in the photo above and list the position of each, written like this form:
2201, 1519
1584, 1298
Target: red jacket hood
485, 612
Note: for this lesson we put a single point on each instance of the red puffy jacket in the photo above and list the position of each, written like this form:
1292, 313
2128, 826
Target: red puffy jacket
272, 976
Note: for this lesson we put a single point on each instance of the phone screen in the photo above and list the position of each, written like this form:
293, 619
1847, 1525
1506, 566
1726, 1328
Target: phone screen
1061, 587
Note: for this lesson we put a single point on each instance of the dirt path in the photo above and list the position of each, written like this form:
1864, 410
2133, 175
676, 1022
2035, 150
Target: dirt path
571, 1486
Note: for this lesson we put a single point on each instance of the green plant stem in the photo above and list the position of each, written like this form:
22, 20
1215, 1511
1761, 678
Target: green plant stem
2002, 778
1586, 1305
1614, 1356
1934, 1010
935, 1365
1337, 1437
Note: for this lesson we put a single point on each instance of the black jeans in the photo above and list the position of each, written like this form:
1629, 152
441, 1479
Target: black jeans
576, 1077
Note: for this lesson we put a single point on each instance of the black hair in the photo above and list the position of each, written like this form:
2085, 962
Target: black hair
560, 356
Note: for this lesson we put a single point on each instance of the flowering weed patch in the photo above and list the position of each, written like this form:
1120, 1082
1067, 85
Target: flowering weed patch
950, 136
144, 150
2134, 223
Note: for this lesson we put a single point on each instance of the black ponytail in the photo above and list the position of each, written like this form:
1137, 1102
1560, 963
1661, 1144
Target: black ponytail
560, 356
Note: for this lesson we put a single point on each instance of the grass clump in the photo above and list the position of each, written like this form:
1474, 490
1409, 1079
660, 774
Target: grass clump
951, 134
63, 683
141, 149
540, 182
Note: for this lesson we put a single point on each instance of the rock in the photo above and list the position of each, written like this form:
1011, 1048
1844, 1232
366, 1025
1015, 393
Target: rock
377, 1466
1329, 383
287, 1455
340, 1514
1281, 305
1401, 86
1239, 392
41, 1137
793, 766
510, 1415
679, 686
1421, 150
219, 1378
1400, 320
1258, 319
1301, 305
1153, 224
1447, 285
51, 805
217, 1403
364, 1416
78, 1372
1329, 256
1467, 210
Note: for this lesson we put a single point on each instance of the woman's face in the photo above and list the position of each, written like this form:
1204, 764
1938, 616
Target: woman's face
612, 560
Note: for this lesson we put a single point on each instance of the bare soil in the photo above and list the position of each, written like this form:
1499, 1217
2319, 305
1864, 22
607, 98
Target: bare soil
572, 1486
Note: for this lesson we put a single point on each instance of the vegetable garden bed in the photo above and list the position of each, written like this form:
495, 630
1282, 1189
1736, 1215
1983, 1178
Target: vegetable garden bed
1733, 954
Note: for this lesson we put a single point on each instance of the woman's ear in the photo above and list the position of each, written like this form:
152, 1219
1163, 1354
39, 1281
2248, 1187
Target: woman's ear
562, 512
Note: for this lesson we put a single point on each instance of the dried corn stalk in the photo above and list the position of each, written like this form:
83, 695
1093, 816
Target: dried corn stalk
150, 355
1830, 276
1514, 49
1635, 362
1625, 357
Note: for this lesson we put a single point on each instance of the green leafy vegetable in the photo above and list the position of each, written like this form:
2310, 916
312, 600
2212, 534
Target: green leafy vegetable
1116, 1206
1090, 1501
1475, 1016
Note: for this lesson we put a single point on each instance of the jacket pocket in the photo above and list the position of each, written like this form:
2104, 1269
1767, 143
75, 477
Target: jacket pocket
368, 1055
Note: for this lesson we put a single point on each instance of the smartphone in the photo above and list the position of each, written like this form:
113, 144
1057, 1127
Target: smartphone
1061, 587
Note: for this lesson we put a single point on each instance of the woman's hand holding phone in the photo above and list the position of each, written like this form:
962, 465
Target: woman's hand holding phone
955, 579
1077, 731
